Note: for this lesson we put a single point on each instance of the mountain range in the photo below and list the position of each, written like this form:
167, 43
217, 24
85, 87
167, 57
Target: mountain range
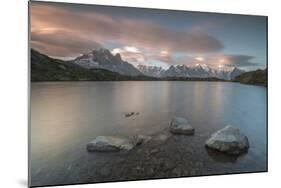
45, 68
201, 71
151, 70
103, 59
102, 65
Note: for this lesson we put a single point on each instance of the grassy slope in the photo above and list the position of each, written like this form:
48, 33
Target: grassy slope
44, 68
258, 77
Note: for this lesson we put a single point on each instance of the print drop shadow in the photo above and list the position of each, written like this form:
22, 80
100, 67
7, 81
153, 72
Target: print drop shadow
23, 182
224, 158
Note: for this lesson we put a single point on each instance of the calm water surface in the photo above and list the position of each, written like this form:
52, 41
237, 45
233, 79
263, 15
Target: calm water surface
67, 115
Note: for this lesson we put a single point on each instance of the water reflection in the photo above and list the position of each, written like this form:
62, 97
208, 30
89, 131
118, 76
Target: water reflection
67, 115
223, 158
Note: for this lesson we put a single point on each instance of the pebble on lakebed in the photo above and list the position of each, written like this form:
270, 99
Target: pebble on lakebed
228, 140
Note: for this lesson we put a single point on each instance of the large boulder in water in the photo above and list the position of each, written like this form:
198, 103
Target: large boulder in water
180, 125
113, 143
228, 140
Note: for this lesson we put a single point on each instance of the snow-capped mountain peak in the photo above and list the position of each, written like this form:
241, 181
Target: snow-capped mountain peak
102, 58
199, 70
154, 71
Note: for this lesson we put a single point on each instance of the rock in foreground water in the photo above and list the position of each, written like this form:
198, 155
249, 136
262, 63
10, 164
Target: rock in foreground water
113, 143
180, 125
228, 140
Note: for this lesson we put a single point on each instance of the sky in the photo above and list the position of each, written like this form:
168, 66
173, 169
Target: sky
150, 37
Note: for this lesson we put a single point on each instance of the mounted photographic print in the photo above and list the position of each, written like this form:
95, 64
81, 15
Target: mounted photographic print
121, 94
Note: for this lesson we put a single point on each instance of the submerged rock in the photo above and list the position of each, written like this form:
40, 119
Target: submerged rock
228, 140
129, 114
161, 137
113, 143
139, 139
180, 125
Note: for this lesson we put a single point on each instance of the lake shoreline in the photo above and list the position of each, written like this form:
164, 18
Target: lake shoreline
226, 81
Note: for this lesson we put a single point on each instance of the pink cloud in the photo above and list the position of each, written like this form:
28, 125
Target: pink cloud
77, 32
